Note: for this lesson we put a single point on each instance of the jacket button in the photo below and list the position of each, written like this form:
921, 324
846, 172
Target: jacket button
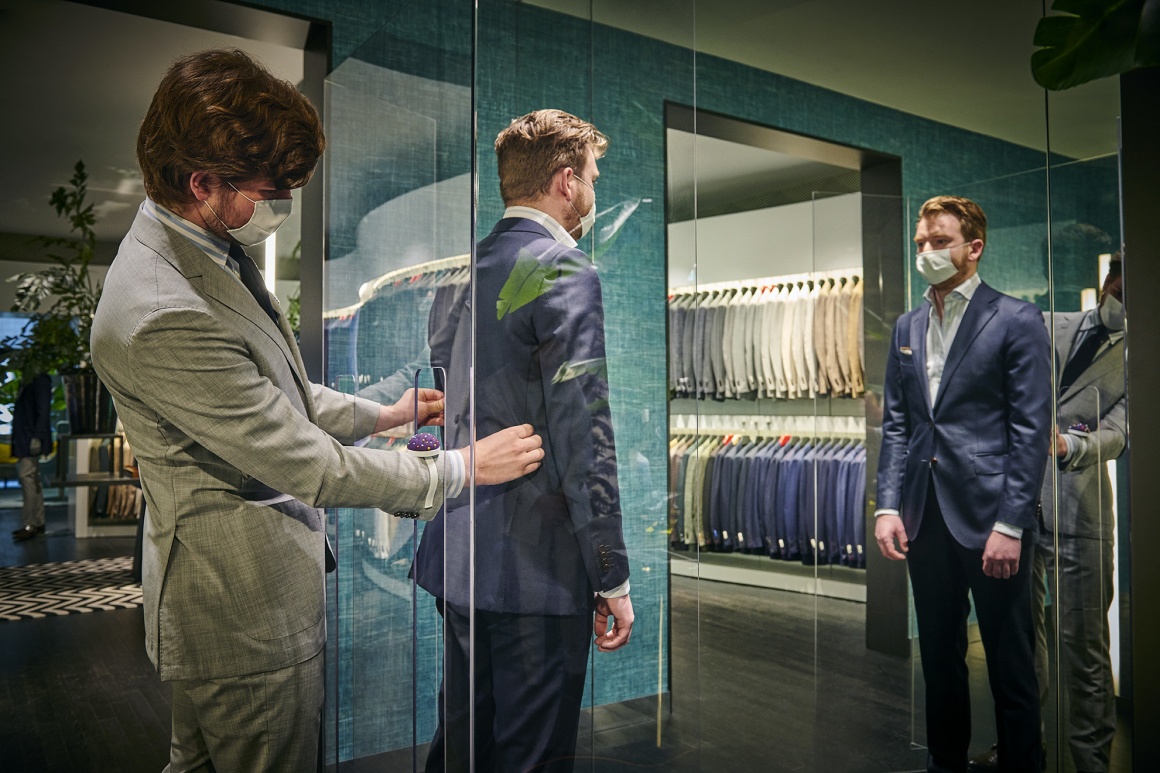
934, 461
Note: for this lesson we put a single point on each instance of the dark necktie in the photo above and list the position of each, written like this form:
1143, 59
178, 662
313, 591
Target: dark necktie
252, 279
1081, 358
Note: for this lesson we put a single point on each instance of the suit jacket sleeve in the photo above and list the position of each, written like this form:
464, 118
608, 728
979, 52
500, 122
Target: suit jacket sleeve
1107, 442
201, 378
346, 418
895, 428
1027, 362
569, 323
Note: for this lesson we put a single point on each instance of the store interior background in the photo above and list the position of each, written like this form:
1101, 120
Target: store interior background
854, 74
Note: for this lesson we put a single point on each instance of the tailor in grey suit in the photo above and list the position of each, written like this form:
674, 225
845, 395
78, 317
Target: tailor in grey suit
222, 419
1078, 538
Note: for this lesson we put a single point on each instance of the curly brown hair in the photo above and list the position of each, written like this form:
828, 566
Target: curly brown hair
536, 146
221, 112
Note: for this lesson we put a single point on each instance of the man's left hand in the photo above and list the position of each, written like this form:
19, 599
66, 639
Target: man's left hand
430, 410
1001, 556
620, 609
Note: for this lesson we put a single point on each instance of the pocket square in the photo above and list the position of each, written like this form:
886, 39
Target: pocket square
905, 350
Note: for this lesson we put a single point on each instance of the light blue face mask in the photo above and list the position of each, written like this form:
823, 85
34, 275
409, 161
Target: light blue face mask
936, 266
588, 220
1112, 313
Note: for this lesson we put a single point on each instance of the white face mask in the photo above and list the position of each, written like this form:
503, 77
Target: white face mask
268, 215
588, 220
1112, 313
936, 266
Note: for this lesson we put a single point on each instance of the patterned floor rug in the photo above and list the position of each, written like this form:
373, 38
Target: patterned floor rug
41, 590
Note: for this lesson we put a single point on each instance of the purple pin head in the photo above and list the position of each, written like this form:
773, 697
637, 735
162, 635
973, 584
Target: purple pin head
423, 444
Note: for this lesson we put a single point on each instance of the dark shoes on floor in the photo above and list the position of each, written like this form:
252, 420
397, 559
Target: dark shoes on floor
27, 532
987, 762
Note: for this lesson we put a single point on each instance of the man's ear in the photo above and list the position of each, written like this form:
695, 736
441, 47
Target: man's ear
203, 184
560, 182
976, 256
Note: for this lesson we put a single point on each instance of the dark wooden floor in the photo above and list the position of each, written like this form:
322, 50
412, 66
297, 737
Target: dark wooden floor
762, 681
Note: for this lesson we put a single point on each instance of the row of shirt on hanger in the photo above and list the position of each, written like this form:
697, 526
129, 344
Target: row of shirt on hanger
794, 499
770, 338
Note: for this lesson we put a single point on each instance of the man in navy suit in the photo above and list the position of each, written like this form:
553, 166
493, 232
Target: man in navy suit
547, 550
967, 414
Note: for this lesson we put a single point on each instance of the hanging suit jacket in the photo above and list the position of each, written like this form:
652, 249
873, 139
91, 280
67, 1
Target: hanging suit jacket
985, 440
1096, 399
547, 542
223, 422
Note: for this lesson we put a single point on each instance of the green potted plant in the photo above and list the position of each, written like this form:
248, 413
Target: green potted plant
56, 338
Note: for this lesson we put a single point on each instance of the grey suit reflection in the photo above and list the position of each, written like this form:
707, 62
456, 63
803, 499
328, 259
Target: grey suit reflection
1076, 541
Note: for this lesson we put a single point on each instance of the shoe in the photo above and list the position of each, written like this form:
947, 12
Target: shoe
987, 762
27, 533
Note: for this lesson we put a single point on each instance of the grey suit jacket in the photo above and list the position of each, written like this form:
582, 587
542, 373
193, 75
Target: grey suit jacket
1097, 400
216, 405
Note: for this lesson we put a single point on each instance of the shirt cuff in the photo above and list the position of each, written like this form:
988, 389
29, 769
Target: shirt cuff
886, 511
454, 473
1008, 530
1070, 441
615, 593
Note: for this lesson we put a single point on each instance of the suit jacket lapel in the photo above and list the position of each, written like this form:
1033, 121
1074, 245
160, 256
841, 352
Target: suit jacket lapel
918, 324
216, 282
1065, 335
981, 309
1106, 361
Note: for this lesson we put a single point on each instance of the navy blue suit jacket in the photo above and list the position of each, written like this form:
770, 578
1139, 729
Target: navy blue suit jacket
547, 542
984, 442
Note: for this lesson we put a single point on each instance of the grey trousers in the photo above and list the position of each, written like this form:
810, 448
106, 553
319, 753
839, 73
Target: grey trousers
1081, 602
28, 470
258, 723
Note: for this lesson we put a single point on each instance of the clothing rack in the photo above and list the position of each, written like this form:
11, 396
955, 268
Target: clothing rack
767, 281
836, 427
369, 289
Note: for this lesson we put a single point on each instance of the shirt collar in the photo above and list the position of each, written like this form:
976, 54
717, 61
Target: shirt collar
558, 232
966, 290
217, 248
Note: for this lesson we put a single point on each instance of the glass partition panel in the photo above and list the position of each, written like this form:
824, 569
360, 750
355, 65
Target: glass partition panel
399, 223
573, 341
1084, 548
1015, 261
663, 392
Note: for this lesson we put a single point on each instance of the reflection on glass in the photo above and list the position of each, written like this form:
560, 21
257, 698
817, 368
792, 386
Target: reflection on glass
967, 406
1074, 558
518, 569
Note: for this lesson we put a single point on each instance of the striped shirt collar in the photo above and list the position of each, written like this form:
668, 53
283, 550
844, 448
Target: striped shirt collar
214, 246
543, 218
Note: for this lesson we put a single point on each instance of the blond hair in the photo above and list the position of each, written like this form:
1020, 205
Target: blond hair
972, 220
536, 146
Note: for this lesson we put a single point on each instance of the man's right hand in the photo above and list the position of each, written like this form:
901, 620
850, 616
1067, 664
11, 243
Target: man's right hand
506, 455
889, 531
